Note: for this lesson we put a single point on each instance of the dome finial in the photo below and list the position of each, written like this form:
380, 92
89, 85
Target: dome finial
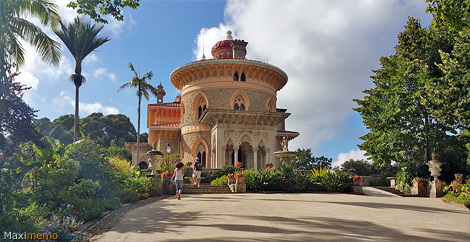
229, 35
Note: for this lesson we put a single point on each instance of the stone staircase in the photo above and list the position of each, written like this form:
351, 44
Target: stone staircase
205, 189
397, 192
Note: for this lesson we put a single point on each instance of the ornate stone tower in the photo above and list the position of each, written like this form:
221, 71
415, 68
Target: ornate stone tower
228, 107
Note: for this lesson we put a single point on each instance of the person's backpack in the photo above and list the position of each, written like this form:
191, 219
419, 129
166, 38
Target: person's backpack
198, 166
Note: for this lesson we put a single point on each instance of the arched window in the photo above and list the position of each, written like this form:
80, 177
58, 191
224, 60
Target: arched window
202, 106
235, 76
239, 103
201, 154
242, 77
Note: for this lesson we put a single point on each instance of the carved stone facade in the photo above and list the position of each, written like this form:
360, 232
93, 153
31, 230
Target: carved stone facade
226, 112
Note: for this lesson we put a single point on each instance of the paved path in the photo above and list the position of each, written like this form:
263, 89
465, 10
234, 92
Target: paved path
294, 217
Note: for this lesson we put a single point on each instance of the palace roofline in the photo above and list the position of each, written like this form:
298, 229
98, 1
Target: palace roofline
229, 61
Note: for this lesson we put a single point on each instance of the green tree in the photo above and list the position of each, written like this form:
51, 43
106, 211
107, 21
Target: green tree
143, 89
306, 160
449, 95
401, 127
14, 27
16, 117
94, 8
81, 38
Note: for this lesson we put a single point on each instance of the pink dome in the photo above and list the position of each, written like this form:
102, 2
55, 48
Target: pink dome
223, 49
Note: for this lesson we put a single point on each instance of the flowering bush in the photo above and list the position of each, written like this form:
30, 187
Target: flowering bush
418, 180
458, 191
239, 165
269, 165
239, 175
356, 178
230, 176
61, 224
167, 174
143, 195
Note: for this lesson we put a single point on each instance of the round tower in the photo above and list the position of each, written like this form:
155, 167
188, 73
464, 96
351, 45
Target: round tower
229, 107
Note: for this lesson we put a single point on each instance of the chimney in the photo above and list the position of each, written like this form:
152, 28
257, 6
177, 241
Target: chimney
239, 49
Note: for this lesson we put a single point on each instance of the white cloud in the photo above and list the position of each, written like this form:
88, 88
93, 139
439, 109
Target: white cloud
352, 154
90, 59
327, 48
66, 104
104, 72
116, 27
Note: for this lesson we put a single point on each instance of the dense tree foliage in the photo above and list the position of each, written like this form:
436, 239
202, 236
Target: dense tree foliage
81, 38
15, 27
449, 95
16, 117
101, 129
96, 8
306, 160
402, 128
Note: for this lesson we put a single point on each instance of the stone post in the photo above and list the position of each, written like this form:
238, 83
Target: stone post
255, 159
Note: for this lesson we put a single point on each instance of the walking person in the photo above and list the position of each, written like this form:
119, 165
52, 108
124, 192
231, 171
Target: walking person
179, 175
197, 170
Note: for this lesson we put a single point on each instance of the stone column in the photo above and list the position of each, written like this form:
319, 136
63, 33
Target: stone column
255, 159
222, 162
235, 157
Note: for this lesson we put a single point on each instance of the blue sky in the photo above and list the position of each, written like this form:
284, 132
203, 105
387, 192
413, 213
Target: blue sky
327, 48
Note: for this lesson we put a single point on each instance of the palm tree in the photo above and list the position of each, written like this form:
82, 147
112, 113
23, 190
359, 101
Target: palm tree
81, 39
14, 27
143, 88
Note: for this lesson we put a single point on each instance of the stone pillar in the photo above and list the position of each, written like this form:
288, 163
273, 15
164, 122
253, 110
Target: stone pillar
235, 157
221, 163
255, 159
219, 138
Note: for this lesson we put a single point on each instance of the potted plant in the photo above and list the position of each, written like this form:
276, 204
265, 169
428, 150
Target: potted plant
357, 188
418, 186
240, 177
231, 179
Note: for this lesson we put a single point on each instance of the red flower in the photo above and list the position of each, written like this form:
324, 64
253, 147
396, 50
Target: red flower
167, 174
230, 176
239, 165
418, 180
356, 178
269, 165
239, 175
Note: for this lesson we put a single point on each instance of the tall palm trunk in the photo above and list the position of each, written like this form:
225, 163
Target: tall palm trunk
75, 125
138, 129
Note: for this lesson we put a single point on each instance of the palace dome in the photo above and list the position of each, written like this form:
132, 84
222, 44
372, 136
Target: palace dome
224, 48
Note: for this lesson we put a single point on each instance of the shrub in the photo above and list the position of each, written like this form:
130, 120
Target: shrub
263, 180
219, 181
144, 185
403, 182
225, 171
318, 174
127, 195
457, 191
337, 182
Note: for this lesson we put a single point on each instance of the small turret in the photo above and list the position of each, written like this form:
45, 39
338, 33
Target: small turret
161, 93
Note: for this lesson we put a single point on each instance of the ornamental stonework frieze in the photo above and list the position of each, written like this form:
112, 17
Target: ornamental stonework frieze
193, 128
